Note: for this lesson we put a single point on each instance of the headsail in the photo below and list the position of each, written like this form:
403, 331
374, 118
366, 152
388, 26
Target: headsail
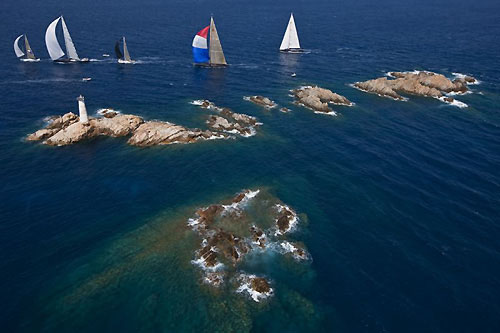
17, 49
215, 50
51, 42
125, 51
118, 52
29, 51
291, 38
200, 47
70, 47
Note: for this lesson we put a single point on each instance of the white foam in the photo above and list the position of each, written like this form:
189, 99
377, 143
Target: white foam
331, 113
254, 294
237, 205
102, 111
462, 76
455, 102
201, 262
198, 102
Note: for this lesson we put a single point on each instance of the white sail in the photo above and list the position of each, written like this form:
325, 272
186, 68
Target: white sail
70, 47
291, 38
51, 42
126, 56
17, 49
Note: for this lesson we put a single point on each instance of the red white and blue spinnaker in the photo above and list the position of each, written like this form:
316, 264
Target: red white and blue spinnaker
200, 47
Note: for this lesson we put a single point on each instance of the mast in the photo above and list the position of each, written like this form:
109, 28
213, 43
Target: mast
125, 51
29, 51
215, 48
70, 47
291, 37
51, 42
17, 49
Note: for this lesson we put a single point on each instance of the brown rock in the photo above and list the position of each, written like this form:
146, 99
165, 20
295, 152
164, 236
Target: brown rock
260, 285
317, 98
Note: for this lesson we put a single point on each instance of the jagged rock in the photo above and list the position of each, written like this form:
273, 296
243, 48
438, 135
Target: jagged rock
424, 83
285, 110
116, 125
73, 133
164, 133
262, 101
317, 98
260, 285
222, 124
229, 121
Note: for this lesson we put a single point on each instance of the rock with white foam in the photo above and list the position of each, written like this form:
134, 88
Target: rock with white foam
419, 83
318, 99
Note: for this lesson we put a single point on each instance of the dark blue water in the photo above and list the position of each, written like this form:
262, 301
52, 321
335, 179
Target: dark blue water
401, 199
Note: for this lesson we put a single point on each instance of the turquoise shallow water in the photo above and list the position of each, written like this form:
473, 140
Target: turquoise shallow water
400, 199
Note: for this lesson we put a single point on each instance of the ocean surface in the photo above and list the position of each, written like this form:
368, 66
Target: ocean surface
398, 201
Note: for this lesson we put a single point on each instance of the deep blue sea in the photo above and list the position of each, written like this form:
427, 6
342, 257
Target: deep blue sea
399, 200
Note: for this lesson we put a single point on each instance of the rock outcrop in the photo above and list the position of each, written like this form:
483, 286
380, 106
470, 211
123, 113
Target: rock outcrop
229, 232
228, 121
318, 99
262, 101
426, 84
67, 129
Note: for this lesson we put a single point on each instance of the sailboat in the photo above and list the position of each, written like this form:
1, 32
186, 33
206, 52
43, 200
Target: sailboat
208, 55
125, 57
290, 43
55, 51
28, 55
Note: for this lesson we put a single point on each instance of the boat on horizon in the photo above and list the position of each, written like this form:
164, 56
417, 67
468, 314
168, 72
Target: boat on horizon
27, 55
55, 51
208, 55
290, 42
123, 58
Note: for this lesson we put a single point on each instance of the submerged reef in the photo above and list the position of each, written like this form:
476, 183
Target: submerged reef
245, 225
68, 129
418, 83
317, 99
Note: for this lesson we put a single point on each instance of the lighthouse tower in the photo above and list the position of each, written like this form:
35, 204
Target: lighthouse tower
82, 109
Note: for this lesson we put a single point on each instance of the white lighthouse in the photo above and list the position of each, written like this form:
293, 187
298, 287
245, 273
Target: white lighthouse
82, 109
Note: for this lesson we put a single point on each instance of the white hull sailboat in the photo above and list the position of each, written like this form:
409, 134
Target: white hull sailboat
55, 51
123, 58
290, 42
208, 55
27, 55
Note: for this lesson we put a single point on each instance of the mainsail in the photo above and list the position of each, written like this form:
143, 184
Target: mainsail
70, 47
291, 38
17, 49
126, 56
29, 51
215, 50
118, 52
51, 42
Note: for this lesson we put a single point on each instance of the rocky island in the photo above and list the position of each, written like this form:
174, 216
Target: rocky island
418, 83
230, 231
70, 128
318, 99
228, 121
262, 101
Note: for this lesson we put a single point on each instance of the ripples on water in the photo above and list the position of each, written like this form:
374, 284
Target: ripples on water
401, 197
